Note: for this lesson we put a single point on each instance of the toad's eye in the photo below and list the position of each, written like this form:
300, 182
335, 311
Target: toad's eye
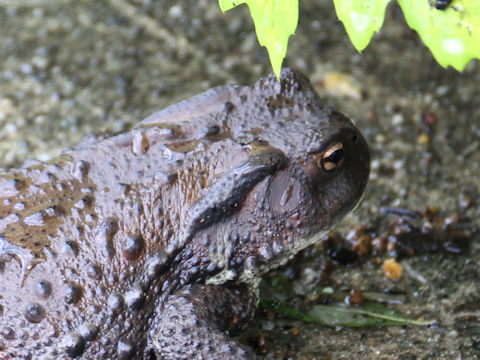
332, 158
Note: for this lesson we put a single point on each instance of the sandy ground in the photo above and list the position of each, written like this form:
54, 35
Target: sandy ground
69, 68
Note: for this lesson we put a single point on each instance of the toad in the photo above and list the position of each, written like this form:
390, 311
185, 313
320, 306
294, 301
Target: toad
151, 244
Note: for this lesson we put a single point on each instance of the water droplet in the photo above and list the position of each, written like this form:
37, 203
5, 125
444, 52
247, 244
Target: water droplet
74, 345
34, 312
133, 246
140, 143
125, 349
73, 293
43, 289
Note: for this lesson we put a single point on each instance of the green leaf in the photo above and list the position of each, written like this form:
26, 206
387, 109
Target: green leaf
369, 313
275, 21
452, 34
226, 5
283, 309
361, 19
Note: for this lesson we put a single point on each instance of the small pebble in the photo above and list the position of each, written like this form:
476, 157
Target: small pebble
392, 269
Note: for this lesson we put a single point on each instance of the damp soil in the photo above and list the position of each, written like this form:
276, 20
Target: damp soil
69, 68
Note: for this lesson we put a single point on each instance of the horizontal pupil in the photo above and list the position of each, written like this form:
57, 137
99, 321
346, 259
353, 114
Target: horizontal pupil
336, 156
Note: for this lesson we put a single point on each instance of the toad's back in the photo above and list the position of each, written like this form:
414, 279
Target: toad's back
74, 247
84, 239
94, 244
